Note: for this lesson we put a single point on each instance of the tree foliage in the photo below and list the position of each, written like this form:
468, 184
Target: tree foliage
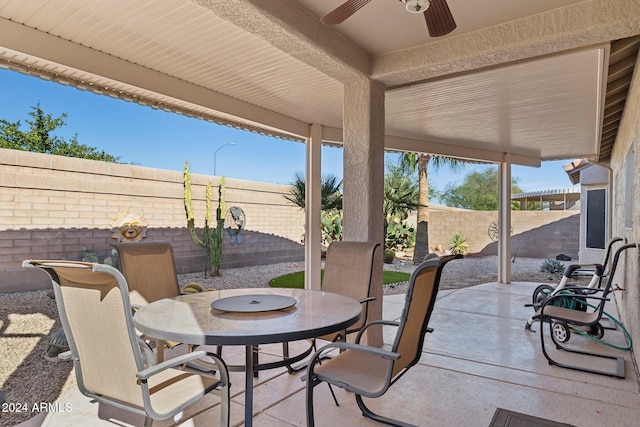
400, 198
412, 163
400, 193
479, 191
330, 192
40, 137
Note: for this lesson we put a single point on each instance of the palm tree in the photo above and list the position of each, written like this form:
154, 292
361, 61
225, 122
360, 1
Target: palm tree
411, 162
330, 194
400, 193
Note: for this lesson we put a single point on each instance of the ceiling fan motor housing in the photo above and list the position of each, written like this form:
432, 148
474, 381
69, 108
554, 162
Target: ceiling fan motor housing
416, 6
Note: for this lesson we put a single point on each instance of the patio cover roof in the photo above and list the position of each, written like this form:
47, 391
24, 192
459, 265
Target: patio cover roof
525, 78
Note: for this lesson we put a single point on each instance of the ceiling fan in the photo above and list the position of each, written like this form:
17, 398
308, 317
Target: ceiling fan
436, 14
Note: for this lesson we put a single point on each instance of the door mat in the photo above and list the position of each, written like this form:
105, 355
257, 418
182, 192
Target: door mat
505, 418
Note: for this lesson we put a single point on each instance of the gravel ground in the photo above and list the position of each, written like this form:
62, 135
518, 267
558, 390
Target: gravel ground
28, 318
458, 273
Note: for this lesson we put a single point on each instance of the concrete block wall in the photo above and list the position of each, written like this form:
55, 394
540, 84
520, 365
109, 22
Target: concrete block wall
52, 206
536, 234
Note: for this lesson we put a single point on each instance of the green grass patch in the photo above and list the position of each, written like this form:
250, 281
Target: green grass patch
296, 280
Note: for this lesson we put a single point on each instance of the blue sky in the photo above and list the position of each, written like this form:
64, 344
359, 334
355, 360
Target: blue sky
158, 139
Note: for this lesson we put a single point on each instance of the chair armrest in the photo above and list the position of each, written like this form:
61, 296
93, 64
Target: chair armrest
373, 323
176, 361
385, 354
580, 291
570, 270
365, 303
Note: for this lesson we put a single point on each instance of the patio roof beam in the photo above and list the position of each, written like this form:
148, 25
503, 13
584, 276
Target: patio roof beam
295, 31
333, 136
460, 152
574, 26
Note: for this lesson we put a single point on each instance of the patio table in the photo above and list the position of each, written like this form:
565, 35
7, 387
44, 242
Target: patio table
191, 319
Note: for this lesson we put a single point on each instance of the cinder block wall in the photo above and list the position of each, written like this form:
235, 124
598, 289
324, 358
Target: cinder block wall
52, 206
536, 234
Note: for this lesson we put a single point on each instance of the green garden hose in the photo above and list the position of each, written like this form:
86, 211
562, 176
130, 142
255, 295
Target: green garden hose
617, 322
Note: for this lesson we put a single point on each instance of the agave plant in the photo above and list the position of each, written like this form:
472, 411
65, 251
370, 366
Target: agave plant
458, 244
552, 266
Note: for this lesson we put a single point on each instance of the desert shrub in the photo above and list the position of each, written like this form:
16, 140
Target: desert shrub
552, 266
389, 256
458, 244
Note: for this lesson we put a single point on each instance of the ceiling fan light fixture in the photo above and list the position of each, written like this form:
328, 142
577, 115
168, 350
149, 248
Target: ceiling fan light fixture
416, 6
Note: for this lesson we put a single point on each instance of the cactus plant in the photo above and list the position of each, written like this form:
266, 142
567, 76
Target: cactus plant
211, 239
399, 234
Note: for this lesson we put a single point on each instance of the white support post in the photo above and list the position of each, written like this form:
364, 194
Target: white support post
504, 220
312, 234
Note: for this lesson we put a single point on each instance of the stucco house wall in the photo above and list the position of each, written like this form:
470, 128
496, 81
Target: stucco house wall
626, 201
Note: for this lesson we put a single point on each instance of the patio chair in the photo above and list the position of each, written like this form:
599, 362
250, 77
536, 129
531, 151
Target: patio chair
369, 371
108, 356
582, 270
150, 271
598, 272
562, 320
348, 271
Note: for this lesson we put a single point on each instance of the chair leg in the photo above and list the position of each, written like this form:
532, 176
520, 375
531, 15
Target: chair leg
619, 373
312, 381
225, 403
333, 394
370, 414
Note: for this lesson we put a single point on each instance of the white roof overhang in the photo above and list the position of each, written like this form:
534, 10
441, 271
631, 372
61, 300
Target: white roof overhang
531, 85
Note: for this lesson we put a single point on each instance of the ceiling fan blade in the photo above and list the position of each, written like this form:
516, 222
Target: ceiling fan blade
342, 12
439, 18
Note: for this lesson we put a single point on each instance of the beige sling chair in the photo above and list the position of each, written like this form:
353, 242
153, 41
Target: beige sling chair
370, 371
348, 271
108, 356
150, 271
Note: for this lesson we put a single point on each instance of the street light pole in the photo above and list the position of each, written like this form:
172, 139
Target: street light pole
216, 152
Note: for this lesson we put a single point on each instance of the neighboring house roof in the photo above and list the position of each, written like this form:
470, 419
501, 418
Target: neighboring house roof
574, 168
558, 199
545, 193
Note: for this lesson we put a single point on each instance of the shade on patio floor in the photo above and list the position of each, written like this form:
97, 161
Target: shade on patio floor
479, 359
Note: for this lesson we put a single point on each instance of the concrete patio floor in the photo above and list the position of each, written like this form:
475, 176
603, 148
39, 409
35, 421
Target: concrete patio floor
479, 359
